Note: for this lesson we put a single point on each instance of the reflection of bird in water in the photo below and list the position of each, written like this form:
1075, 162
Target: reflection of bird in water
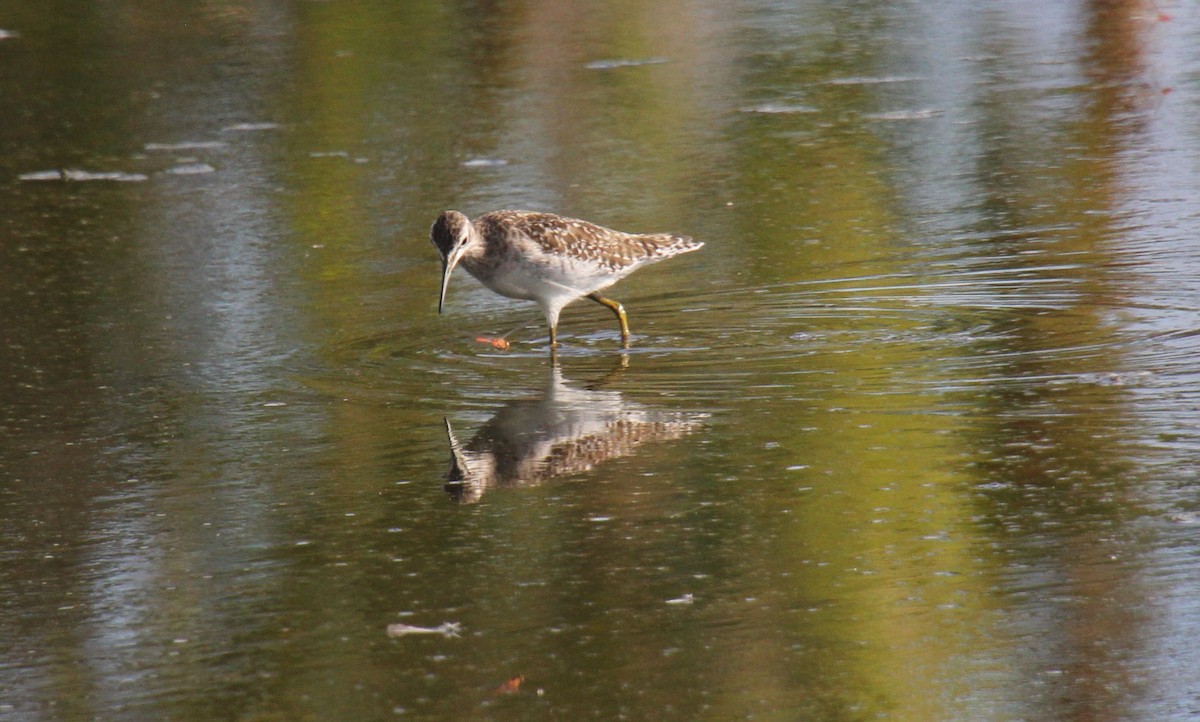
566, 431
548, 258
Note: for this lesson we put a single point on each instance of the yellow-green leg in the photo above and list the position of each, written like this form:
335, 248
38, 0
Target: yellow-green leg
619, 310
554, 344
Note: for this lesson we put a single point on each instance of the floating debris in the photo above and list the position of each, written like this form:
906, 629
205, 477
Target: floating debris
329, 154
42, 175
82, 175
1184, 517
870, 80
6, 34
191, 169
1116, 378
186, 145
241, 127
685, 599
904, 114
613, 63
779, 108
499, 344
511, 685
446, 629
484, 163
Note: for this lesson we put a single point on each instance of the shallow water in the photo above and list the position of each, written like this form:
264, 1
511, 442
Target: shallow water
913, 437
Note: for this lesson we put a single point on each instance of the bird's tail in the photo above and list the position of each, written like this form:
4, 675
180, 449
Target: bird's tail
665, 245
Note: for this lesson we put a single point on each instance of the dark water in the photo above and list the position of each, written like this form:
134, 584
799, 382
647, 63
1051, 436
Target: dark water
914, 437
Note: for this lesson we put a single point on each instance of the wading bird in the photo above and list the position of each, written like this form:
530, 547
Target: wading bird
547, 258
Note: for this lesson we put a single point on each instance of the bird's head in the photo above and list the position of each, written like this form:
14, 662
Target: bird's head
450, 234
471, 472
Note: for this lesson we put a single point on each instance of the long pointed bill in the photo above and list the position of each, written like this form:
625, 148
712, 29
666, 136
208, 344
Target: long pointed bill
458, 462
448, 265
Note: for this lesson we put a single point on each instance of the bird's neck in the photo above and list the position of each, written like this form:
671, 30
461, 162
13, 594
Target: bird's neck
476, 251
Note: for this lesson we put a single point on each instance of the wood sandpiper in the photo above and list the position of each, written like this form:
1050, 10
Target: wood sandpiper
547, 258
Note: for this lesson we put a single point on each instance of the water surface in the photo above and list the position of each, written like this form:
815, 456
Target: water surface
913, 437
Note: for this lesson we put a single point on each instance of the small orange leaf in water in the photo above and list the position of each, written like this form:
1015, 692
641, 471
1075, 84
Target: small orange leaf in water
500, 344
511, 686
